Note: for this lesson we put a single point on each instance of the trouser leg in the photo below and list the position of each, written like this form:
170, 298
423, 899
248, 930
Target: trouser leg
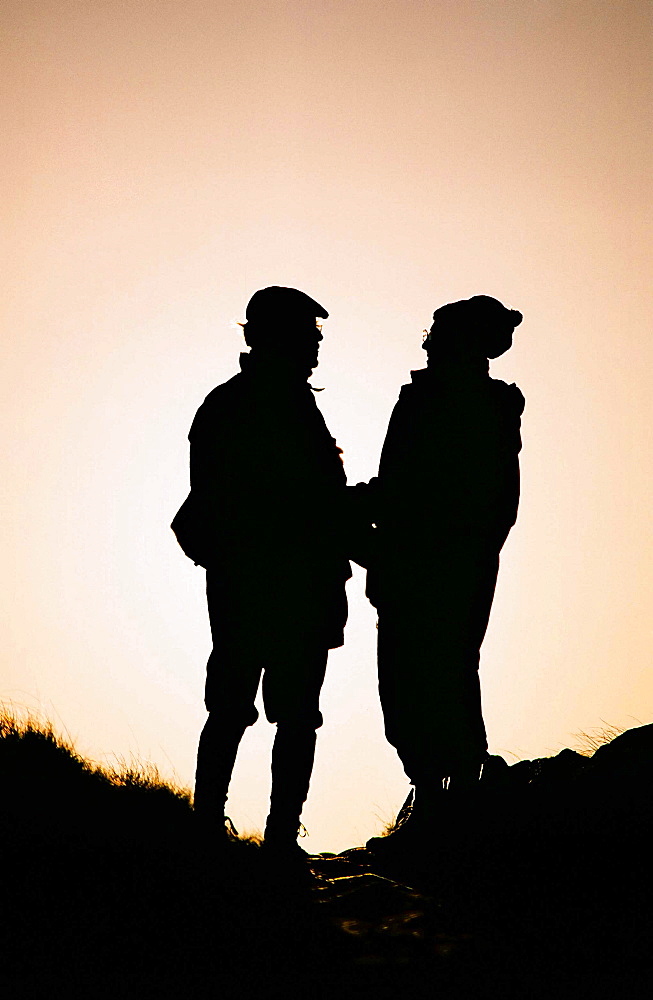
291, 694
430, 695
293, 754
216, 756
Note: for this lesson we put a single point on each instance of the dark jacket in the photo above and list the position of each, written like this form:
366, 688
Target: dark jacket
448, 483
267, 492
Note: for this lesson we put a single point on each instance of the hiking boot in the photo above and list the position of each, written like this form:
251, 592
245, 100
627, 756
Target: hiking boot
281, 843
406, 837
284, 850
215, 832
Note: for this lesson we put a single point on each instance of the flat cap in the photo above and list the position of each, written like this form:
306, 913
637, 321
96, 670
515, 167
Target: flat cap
278, 302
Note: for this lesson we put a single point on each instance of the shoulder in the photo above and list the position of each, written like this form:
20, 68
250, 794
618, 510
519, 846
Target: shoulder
219, 404
407, 401
416, 388
225, 392
510, 397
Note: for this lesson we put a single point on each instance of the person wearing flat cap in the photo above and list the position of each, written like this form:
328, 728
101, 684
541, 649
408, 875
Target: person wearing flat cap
267, 486
444, 501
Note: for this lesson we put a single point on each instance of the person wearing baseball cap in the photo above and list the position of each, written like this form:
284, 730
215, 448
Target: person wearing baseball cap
264, 518
445, 499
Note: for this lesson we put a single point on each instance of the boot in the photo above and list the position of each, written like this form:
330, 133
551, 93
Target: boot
216, 756
465, 777
467, 826
293, 754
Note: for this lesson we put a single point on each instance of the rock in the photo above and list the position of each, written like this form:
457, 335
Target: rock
543, 773
557, 773
626, 763
495, 773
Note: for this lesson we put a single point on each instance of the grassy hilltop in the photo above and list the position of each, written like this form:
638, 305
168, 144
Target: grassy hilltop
540, 887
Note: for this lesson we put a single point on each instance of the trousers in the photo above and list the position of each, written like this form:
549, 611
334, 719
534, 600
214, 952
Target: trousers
429, 643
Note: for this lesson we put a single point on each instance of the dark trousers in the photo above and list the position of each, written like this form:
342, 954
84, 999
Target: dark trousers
250, 643
428, 654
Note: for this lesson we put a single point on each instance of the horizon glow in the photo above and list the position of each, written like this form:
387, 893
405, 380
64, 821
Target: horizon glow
164, 161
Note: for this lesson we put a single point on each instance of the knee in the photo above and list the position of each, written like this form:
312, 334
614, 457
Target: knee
230, 718
299, 722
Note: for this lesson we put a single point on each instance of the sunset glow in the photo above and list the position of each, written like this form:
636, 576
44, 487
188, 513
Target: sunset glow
161, 162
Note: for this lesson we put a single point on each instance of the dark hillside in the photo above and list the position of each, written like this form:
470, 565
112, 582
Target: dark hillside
541, 887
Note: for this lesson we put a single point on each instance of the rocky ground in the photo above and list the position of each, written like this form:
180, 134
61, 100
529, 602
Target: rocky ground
540, 887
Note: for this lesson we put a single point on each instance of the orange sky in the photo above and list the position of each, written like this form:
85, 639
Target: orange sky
161, 161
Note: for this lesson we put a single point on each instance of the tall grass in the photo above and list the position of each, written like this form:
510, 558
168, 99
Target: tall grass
39, 764
589, 742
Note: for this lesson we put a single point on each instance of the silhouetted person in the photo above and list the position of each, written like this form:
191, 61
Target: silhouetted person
263, 515
444, 501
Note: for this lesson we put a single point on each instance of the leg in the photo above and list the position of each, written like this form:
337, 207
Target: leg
291, 694
216, 756
232, 678
408, 695
430, 695
293, 754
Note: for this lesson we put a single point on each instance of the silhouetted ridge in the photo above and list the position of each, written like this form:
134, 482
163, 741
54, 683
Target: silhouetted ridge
539, 886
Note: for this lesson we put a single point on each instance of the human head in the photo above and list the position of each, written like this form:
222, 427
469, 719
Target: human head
478, 327
282, 323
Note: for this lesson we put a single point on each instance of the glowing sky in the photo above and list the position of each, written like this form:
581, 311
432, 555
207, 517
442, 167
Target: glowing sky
162, 160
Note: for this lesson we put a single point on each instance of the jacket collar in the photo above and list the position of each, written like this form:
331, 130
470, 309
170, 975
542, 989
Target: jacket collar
451, 371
